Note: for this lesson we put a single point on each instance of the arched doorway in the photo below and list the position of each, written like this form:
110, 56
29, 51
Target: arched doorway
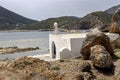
53, 50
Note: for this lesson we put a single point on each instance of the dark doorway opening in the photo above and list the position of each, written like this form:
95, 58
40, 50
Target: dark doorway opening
53, 50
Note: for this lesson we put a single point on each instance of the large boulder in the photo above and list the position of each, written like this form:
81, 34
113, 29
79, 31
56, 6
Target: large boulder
115, 26
116, 43
100, 57
95, 37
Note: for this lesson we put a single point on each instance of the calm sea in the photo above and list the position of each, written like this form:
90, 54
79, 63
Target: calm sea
24, 40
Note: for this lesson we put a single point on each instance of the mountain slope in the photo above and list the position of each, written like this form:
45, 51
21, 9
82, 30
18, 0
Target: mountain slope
100, 18
67, 22
113, 9
10, 20
96, 19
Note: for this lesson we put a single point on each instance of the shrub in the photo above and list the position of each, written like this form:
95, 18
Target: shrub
55, 68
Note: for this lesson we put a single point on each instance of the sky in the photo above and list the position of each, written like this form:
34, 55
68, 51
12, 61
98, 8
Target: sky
43, 9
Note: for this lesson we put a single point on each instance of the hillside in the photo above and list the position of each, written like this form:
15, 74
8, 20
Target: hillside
113, 9
96, 19
64, 22
100, 18
91, 20
11, 20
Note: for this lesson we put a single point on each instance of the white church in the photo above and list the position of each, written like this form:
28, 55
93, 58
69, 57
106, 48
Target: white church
66, 46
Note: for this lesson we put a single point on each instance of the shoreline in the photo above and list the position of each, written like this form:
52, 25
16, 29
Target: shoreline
41, 30
15, 49
14, 30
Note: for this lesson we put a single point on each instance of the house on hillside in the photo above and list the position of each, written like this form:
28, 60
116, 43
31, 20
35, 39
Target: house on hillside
66, 46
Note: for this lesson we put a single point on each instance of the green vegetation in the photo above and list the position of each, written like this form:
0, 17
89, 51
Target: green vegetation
103, 16
117, 50
97, 18
61, 60
118, 55
56, 68
64, 60
10, 20
112, 9
64, 22
69, 22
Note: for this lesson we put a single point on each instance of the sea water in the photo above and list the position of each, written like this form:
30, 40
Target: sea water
25, 40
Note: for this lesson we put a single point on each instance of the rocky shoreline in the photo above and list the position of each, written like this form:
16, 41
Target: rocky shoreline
14, 30
28, 68
100, 60
12, 50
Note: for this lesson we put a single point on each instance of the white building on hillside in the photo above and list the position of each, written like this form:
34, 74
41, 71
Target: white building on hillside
65, 46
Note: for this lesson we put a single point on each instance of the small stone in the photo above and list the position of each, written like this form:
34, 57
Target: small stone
79, 77
85, 67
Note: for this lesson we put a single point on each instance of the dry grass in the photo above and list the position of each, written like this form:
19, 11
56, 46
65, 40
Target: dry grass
117, 50
117, 53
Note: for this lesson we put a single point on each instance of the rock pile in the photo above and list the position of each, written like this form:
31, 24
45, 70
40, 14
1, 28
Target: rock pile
27, 68
98, 48
95, 37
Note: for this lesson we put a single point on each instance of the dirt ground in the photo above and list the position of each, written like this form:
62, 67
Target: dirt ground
27, 68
